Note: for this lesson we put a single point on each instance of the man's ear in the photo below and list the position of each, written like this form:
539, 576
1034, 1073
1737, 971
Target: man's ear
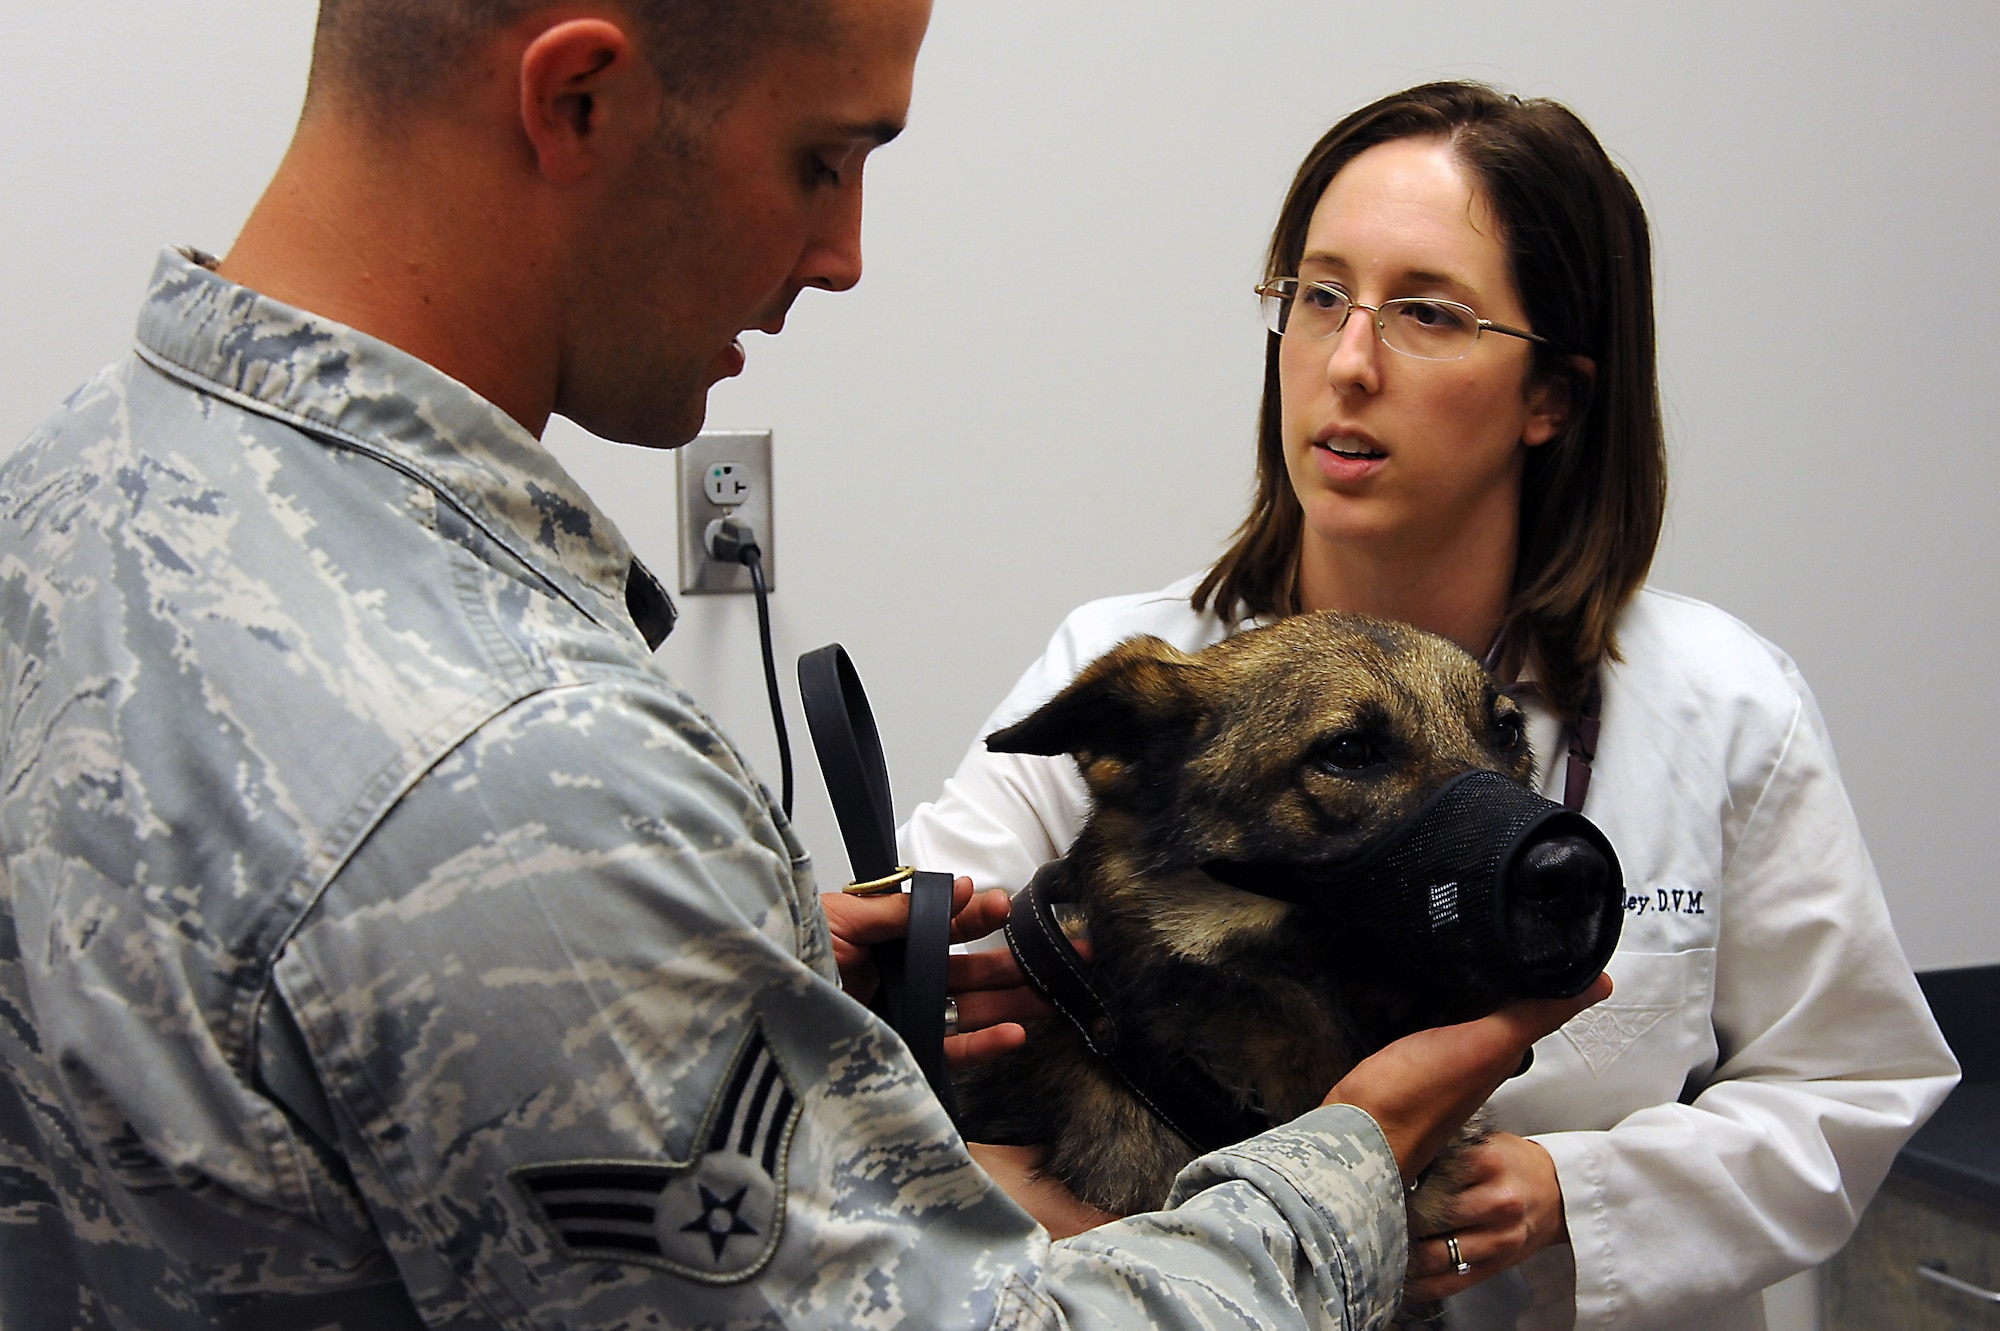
1141, 697
1553, 399
575, 76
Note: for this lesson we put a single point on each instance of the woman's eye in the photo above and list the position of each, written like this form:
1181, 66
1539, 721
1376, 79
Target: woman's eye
1507, 733
1348, 753
1431, 315
1323, 299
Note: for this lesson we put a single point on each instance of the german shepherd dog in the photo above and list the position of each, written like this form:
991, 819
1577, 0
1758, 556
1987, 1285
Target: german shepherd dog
1308, 741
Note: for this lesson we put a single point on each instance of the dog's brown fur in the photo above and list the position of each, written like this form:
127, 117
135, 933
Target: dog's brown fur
1305, 742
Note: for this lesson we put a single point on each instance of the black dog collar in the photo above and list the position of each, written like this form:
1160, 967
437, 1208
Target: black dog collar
1179, 1094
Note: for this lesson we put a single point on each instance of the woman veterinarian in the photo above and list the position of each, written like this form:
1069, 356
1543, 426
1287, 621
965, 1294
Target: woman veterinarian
1461, 430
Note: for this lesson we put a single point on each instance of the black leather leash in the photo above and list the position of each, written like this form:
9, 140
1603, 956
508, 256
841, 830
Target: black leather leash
911, 993
1178, 1093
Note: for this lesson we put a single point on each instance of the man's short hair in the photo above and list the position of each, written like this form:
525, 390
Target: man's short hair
400, 53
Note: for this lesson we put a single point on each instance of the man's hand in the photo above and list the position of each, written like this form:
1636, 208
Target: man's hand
1512, 1209
1422, 1088
992, 995
1017, 1169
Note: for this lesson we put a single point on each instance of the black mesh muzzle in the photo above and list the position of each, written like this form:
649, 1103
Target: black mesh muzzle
1487, 879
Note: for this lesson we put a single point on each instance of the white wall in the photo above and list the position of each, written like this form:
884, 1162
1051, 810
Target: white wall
1043, 391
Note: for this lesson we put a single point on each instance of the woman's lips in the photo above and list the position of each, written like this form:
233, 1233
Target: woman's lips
1343, 458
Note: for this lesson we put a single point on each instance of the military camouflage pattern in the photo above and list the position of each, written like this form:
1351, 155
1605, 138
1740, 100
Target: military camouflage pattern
387, 942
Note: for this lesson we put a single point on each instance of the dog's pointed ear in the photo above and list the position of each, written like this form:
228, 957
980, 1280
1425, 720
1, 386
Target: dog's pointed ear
1141, 695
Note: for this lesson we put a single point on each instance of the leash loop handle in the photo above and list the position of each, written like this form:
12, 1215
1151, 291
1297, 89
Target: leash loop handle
911, 992
850, 758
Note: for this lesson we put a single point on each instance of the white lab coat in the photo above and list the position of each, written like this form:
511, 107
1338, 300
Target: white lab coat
1719, 1123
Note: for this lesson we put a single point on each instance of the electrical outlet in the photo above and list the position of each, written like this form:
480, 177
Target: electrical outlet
727, 484
722, 471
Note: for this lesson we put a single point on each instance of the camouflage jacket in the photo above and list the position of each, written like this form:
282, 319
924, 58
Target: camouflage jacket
385, 941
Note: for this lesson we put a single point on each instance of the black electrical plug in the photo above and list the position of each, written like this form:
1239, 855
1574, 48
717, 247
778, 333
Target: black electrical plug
731, 540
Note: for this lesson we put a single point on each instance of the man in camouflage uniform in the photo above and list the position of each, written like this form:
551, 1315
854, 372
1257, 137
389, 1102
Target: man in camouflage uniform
384, 940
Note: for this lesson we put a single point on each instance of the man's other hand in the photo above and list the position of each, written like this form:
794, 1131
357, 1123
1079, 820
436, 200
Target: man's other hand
993, 997
1422, 1088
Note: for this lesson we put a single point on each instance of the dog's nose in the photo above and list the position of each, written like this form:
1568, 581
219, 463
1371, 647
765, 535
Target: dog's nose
1559, 869
1558, 908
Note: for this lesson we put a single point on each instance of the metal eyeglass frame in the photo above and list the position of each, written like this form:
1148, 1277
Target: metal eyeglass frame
1268, 291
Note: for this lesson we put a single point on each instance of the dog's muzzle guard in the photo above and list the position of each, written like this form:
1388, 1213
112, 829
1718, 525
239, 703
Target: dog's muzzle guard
1488, 880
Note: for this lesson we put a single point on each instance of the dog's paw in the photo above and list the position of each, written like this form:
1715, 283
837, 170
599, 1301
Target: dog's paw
1430, 1205
1430, 1202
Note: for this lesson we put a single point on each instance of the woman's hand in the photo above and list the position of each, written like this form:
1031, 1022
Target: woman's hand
992, 995
1017, 1169
1511, 1210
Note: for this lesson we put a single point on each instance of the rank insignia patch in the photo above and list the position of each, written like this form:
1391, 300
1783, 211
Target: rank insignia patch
715, 1218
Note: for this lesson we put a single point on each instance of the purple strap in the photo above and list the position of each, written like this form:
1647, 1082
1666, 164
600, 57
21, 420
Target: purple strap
1582, 736
1578, 736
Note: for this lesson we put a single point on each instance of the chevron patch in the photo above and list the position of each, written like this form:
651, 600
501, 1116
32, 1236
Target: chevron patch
714, 1219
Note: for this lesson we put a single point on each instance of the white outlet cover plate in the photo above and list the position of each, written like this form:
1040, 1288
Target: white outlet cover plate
749, 451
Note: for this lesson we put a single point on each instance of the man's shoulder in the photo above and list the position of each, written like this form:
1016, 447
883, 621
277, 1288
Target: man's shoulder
248, 635
329, 554
615, 745
614, 798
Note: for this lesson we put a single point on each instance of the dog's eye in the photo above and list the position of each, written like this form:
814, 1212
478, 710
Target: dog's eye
1348, 753
1508, 732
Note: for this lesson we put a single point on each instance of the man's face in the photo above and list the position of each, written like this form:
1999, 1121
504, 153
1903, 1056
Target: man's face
721, 227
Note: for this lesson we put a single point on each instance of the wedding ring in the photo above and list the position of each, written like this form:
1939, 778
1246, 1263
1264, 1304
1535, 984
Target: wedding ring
951, 1016
1459, 1266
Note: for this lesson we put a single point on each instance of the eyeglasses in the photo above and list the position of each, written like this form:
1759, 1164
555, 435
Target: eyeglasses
1419, 326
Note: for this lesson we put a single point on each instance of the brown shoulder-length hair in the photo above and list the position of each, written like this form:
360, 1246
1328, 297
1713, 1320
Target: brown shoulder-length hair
1592, 498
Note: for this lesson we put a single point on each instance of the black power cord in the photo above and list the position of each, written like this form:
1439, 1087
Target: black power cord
732, 541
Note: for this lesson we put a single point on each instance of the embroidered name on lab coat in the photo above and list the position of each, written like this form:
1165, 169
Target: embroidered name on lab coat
1665, 901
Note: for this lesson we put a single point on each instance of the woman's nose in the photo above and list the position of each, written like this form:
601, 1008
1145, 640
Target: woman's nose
1354, 359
